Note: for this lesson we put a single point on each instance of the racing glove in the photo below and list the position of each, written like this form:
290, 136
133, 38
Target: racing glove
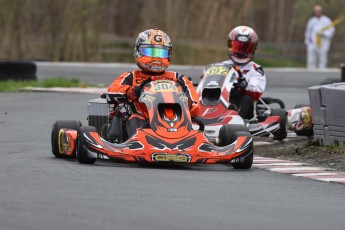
133, 93
241, 82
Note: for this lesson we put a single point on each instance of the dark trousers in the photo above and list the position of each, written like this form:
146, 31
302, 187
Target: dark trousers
245, 105
135, 121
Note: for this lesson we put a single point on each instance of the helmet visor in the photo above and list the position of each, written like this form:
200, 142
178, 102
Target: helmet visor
155, 52
242, 47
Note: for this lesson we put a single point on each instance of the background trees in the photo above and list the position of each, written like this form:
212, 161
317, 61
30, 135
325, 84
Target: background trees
105, 30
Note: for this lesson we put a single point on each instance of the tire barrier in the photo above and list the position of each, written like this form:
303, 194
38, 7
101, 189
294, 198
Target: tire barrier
328, 113
17, 70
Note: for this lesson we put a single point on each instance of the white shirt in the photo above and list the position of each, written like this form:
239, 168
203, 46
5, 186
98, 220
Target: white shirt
255, 77
315, 26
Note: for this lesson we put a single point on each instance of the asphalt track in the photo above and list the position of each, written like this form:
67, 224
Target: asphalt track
38, 191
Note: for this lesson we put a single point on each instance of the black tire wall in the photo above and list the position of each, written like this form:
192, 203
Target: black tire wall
17, 70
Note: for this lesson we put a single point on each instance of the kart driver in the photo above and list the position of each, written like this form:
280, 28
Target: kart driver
242, 44
152, 54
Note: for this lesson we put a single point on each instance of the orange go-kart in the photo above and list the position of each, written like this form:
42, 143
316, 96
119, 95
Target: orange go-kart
168, 136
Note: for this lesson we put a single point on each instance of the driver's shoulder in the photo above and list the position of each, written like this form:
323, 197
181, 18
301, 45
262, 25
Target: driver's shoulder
256, 67
172, 74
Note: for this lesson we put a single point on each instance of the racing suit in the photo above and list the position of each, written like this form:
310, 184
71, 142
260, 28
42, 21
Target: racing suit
127, 80
317, 50
244, 97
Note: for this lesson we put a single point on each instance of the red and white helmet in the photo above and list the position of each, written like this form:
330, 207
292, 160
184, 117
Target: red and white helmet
242, 44
152, 50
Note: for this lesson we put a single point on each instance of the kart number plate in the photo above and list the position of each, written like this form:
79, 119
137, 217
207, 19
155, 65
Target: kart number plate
164, 87
216, 70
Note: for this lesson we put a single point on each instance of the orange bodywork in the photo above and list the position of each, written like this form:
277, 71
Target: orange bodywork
147, 146
170, 137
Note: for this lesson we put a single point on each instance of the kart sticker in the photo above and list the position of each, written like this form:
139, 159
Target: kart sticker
163, 157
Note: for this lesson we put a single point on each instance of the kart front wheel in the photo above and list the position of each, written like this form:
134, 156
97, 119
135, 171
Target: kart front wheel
282, 132
82, 152
228, 134
246, 161
55, 137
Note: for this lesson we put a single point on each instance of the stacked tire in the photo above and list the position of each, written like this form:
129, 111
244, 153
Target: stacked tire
17, 70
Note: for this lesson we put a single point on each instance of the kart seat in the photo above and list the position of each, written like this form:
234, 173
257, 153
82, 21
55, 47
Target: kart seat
210, 96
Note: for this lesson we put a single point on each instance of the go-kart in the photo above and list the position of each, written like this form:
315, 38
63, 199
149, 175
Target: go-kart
168, 137
214, 90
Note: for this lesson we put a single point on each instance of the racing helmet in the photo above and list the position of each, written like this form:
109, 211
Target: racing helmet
242, 44
152, 50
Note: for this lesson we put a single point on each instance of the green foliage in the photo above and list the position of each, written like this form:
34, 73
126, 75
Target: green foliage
105, 30
15, 86
279, 62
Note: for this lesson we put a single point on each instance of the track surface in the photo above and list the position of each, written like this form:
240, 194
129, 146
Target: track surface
38, 191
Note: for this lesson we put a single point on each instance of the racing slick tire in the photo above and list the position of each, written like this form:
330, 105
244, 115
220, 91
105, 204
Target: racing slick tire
282, 132
306, 132
246, 161
82, 153
271, 100
228, 134
68, 124
17, 70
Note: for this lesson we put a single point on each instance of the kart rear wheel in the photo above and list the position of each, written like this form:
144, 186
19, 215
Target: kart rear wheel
306, 132
227, 133
271, 100
67, 124
82, 153
282, 132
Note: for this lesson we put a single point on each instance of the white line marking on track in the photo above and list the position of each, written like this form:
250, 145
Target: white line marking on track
296, 169
279, 164
331, 179
315, 174
268, 160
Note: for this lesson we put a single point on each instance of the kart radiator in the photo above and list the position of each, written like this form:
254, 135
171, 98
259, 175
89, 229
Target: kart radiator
98, 113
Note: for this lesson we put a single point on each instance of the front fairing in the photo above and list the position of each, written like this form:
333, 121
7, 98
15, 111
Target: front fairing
214, 90
162, 96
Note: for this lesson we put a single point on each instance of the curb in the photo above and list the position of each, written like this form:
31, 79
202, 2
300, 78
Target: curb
299, 169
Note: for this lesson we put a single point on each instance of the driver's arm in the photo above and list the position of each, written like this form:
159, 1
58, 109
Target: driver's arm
122, 83
256, 83
191, 93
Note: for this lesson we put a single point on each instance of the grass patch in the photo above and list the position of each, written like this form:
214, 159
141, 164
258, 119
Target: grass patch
15, 86
278, 62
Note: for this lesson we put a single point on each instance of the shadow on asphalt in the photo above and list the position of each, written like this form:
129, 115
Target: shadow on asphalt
158, 166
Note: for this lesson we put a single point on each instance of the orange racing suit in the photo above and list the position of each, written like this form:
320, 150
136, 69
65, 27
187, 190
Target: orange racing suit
127, 80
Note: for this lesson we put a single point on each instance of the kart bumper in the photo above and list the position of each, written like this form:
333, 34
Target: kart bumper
146, 146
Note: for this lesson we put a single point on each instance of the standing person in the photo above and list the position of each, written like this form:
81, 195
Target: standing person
318, 35
152, 54
242, 44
